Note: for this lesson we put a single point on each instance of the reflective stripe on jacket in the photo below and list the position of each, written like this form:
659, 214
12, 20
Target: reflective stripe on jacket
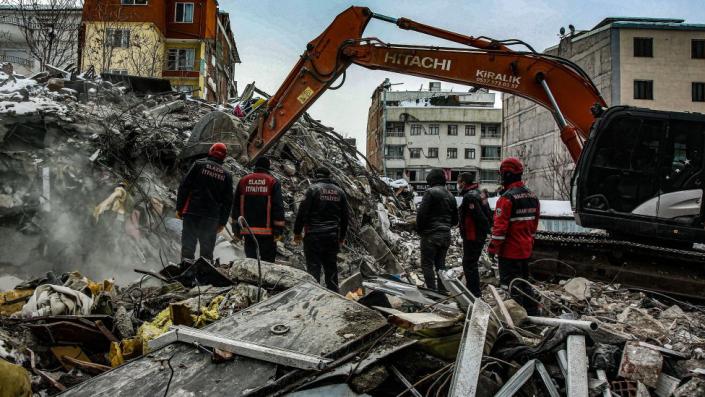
516, 219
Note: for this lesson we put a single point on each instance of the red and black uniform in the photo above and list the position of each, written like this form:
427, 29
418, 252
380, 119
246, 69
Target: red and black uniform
516, 219
474, 216
323, 215
258, 198
203, 201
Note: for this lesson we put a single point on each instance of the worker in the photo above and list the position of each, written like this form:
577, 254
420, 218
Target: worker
436, 215
516, 219
258, 198
203, 202
474, 215
323, 215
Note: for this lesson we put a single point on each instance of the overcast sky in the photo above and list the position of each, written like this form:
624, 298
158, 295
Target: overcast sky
272, 34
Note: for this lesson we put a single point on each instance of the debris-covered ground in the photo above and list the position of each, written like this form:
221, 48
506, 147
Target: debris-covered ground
92, 301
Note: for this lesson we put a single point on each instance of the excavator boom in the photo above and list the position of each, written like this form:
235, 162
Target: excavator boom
552, 82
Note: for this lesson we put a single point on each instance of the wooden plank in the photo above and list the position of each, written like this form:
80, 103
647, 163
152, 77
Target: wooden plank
577, 380
417, 321
472, 346
502, 308
87, 366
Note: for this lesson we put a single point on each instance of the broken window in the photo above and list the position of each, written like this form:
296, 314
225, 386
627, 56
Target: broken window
452, 153
470, 154
181, 59
697, 49
470, 130
643, 89
394, 151
184, 12
698, 92
489, 131
491, 152
433, 129
452, 129
416, 129
432, 153
117, 38
643, 47
415, 153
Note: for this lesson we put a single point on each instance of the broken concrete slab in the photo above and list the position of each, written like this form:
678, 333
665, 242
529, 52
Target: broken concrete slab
640, 364
273, 275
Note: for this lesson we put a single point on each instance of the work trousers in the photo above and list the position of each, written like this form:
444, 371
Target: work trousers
434, 248
471, 253
267, 247
321, 251
509, 269
201, 230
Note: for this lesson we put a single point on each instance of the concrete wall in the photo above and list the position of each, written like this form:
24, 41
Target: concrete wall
671, 68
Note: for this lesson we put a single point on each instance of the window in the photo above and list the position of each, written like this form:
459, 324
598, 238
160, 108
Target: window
416, 129
491, 152
698, 49
395, 173
452, 130
643, 47
432, 153
181, 59
133, 2
415, 153
184, 88
698, 92
395, 129
489, 176
394, 151
432, 129
470, 130
119, 71
184, 12
470, 154
643, 89
452, 153
117, 38
489, 131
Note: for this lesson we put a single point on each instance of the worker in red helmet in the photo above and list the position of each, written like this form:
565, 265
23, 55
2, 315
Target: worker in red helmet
203, 202
516, 219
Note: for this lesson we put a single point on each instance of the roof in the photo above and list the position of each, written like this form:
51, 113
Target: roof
648, 23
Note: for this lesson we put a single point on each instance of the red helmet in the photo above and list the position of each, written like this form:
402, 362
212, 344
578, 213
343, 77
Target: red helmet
218, 151
512, 165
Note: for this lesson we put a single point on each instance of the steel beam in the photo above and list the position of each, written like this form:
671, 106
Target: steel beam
577, 380
517, 381
472, 346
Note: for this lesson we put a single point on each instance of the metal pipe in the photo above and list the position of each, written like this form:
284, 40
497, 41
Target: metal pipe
559, 115
384, 18
587, 326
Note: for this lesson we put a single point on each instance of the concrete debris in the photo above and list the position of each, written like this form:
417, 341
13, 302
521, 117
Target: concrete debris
89, 169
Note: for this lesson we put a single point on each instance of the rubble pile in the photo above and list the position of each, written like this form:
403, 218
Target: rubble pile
93, 302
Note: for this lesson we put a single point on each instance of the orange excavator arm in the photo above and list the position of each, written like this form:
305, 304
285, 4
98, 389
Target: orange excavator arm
552, 82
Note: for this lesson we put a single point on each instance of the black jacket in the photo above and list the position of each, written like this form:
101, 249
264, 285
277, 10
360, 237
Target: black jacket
438, 211
324, 210
474, 216
206, 191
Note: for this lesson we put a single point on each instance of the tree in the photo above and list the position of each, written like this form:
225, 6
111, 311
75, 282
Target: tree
145, 57
559, 173
50, 29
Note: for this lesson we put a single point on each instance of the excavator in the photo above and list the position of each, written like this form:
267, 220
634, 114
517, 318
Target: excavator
638, 172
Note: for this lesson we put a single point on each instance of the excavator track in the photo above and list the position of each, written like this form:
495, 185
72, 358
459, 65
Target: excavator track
630, 263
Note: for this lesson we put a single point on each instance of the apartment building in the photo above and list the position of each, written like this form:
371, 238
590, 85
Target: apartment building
411, 132
646, 62
190, 43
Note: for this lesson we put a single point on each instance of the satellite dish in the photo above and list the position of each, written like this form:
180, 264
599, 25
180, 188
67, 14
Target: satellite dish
562, 31
572, 29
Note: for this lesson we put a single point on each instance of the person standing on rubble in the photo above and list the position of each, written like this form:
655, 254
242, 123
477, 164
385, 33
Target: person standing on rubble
258, 198
516, 219
203, 203
436, 215
323, 215
474, 222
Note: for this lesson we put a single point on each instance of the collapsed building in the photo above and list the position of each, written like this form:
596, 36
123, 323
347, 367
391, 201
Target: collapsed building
92, 303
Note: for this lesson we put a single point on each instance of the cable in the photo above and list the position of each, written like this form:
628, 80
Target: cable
243, 224
171, 375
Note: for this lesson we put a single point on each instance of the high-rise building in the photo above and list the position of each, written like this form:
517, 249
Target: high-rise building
411, 132
645, 62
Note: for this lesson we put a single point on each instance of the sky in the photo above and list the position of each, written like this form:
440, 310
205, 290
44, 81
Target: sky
272, 34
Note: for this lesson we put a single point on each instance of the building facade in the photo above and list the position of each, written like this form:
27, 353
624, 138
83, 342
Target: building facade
189, 43
35, 35
652, 63
411, 132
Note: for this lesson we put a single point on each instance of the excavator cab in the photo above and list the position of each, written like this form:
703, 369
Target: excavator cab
641, 173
